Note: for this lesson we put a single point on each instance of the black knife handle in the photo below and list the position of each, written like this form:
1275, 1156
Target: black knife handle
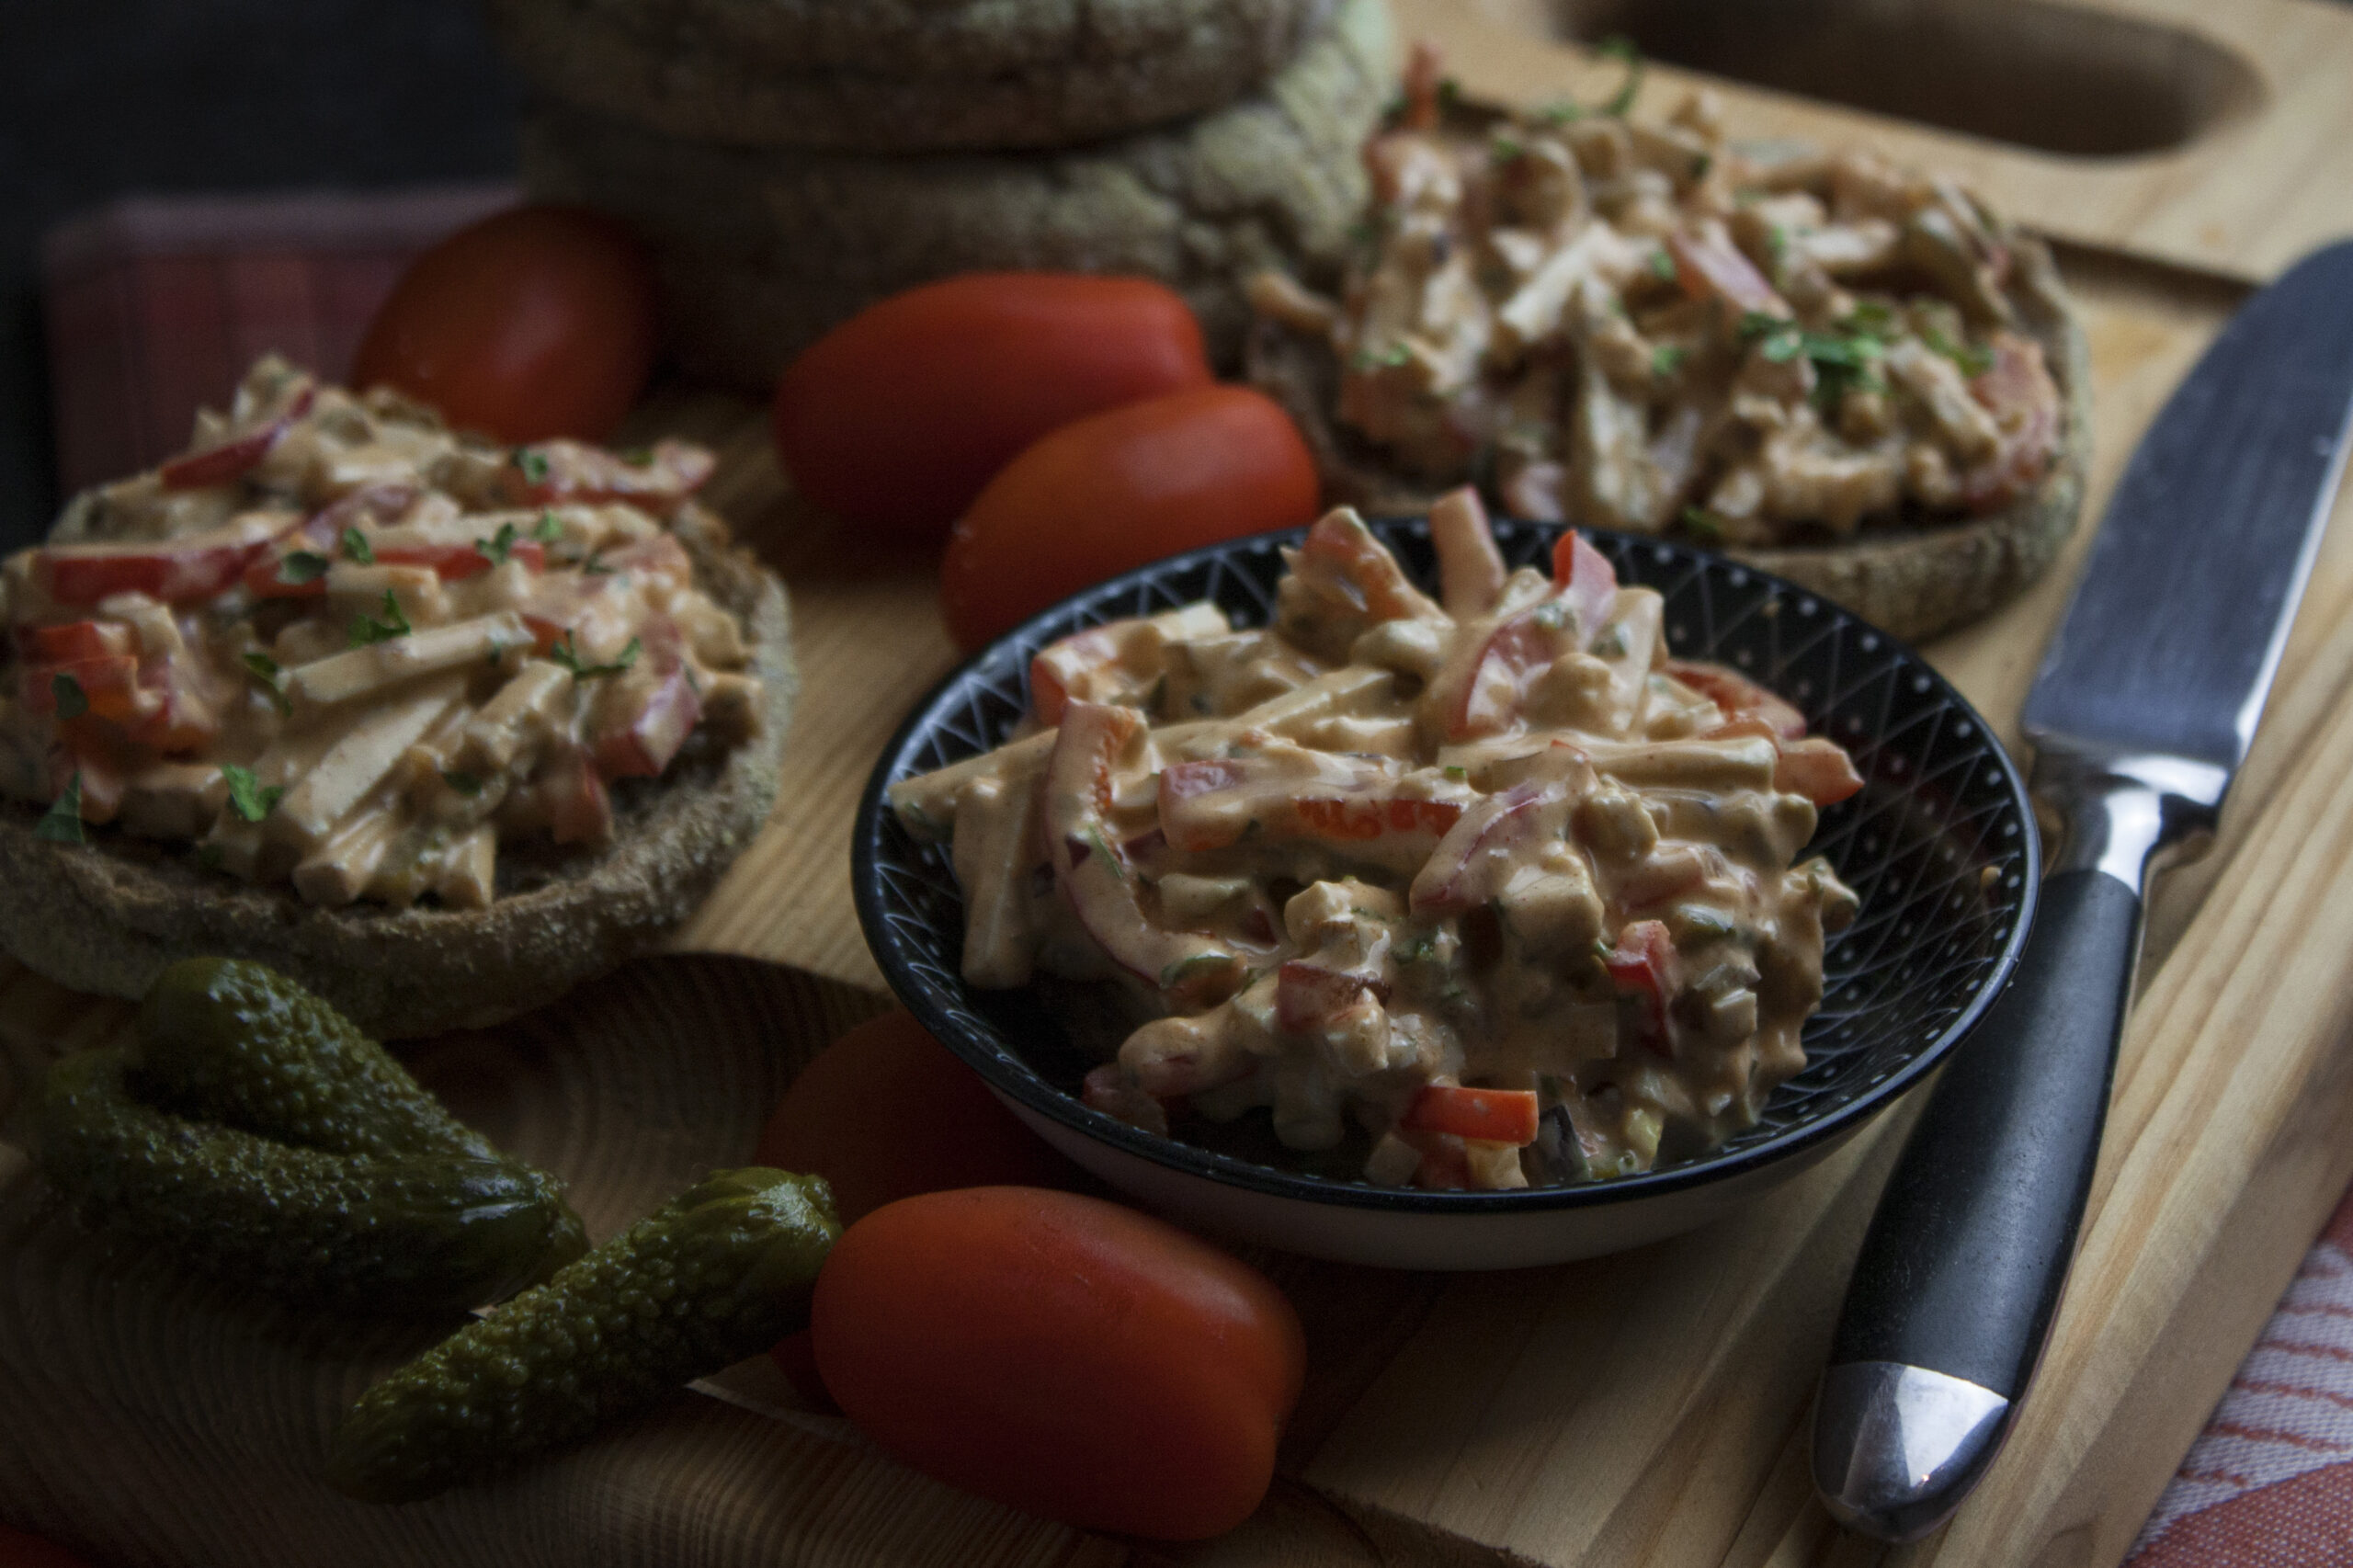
1960, 1270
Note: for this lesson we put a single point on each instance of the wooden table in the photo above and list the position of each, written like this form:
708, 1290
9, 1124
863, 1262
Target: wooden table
1648, 1408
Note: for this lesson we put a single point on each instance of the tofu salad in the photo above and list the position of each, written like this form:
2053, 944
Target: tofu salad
337, 646
1486, 887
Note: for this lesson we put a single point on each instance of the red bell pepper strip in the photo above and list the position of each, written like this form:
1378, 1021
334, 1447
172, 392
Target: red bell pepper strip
237, 456
75, 639
1093, 871
179, 570
1739, 696
1817, 769
1492, 1116
1641, 965
641, 747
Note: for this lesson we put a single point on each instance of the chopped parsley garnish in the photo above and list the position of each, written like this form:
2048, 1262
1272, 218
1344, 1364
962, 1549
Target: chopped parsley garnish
1704, 523
1564, 112
1667, 358
637, 456
567, 653
248, 796
71, 701
1701, 164
1776, 245
300, 566
1973, 360
1870, 318
61, 823
1505, 149
266, 672
1450, 91
465, 784
1611, 643
534, 464
1455, 770
1552, 615
548, 529
1662, 265
595, 567
356, 545
1387, 359
367, 630
1619, 47
499, 546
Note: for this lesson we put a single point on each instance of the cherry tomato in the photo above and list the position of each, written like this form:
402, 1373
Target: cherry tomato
1064, 1355
1117, 490
19, 1550
896, 417
886, 1111
535, 322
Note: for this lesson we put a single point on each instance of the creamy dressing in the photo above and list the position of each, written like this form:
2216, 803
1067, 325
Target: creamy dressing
1639, 328
338, 646
1501, 842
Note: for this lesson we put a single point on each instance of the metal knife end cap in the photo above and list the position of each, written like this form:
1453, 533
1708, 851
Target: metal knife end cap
1896, 1448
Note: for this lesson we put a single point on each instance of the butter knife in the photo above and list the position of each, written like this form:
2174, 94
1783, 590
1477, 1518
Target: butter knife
2142, 711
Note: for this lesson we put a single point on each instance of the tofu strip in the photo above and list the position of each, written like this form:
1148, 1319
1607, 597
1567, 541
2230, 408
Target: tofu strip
996, 844
357, 761
368, 671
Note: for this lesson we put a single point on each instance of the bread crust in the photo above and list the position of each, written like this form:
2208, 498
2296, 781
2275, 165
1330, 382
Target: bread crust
893, 77
760, 251
107, 915
1913, 579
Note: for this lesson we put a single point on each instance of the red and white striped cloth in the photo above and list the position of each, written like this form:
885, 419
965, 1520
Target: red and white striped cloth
155, 307
2270, 1481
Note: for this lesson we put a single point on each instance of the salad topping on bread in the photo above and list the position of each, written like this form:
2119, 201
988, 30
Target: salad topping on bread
1640, 326
339, 645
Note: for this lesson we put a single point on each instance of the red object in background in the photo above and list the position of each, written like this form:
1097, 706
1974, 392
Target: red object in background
19, 1550
156, 306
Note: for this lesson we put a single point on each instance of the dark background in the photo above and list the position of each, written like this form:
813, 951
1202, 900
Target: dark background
101, 99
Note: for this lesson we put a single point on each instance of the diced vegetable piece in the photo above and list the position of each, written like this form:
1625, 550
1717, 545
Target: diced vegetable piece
1091, 869
580, 809
1710, 265
451, 562
178, 571
1491, 1116
233, 457
377, 667
1817, 769
2019, 391
571, 470
108, 687
356, 763
76, 639
1470, 569
1497, 680
1471, 863
1354, 802
1309, 996
1583, 577
1641, 964
642, 746
1341, 555
1738, 696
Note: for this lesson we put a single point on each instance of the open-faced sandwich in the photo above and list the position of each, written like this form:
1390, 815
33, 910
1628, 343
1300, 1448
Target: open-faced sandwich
438, 727
1849, 374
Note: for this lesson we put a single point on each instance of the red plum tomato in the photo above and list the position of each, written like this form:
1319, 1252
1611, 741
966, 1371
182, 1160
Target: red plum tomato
897, 417
1061, 1355
886, 1111
535, 322
1117, 490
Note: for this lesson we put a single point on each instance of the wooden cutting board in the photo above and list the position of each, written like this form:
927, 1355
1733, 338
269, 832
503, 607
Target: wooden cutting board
1648, 1408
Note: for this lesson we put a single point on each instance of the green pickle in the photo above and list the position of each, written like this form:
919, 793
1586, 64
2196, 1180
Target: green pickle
231, 1042
720, 1272
411, 1233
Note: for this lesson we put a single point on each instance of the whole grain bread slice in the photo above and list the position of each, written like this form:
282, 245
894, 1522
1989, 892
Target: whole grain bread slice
107, 915
1915, 577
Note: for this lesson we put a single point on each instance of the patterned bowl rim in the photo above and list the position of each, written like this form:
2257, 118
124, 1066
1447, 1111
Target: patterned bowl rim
938, 1008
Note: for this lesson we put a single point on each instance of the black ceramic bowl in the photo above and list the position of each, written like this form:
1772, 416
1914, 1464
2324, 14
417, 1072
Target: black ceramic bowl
1939, 844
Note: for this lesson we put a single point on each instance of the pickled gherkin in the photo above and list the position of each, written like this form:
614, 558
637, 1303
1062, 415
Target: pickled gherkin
410, 1233
234, 1042
720, 1272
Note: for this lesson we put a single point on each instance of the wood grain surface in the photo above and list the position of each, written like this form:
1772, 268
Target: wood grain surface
1644, 1409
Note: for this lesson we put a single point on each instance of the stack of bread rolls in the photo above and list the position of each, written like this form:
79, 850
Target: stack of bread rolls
793, 161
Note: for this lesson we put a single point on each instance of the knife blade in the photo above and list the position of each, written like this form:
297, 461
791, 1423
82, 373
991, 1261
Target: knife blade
2144, 706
